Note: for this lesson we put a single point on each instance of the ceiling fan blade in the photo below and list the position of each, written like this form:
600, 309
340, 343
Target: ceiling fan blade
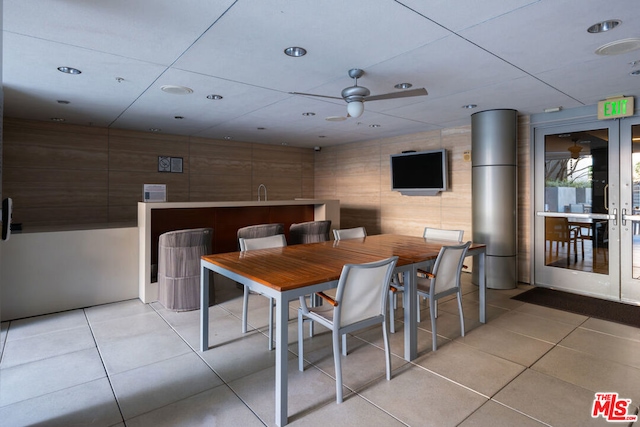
404, 94
311, 94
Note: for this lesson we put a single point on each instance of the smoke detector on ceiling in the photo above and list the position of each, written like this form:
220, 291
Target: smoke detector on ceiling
619, 46
176, 90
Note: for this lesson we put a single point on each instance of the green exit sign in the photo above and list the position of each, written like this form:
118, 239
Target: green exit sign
613, 108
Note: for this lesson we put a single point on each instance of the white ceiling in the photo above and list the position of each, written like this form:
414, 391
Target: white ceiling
520, 54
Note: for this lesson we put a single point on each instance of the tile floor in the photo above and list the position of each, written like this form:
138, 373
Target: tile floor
131, 364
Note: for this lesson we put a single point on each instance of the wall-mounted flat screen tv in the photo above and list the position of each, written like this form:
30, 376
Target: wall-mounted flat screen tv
421, 173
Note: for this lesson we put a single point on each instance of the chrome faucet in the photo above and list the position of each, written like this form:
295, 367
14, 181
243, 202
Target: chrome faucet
265, 192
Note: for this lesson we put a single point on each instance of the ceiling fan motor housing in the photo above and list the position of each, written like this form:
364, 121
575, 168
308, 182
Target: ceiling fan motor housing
355, 93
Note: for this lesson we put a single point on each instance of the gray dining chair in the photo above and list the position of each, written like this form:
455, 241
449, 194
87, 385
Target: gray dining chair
252, 232
350, 233
429, 233
443, 281
309, 232
360, 302
179, 255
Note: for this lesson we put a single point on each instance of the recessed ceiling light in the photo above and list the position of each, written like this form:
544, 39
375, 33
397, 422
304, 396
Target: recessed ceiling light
375, 126
470, 106
603, 26
619, 46
635, 73
178, 117
69, 70
403, 85
216, 97
57, 119
119, 79
284, 143
322, 136
295, 51
176, 90
228, 138
63, 102
155, 129
309, 114
261, 128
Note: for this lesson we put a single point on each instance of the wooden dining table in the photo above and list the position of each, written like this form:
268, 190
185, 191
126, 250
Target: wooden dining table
287, 273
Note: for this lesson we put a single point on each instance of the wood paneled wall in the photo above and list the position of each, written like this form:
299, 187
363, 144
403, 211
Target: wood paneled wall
358, 175
68, 175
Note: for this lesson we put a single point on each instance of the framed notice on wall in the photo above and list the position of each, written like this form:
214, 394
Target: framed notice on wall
169, 164
154, 193
176, 164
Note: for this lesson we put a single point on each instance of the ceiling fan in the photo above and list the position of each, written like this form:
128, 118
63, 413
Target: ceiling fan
355, 95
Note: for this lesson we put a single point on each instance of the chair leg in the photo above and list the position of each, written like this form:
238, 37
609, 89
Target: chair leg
344, 344
392, 314
313, 299
387, 351
434, 332
460, 310
245, 305
271, 304
337, 362
300, 341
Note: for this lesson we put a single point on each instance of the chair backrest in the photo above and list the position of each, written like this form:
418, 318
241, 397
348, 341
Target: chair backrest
260, 230
556, 229
277, 241
440, 234
362, 291
448, 267
179, 251
350, 233
309, 232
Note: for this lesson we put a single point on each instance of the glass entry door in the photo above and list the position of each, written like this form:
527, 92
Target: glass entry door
630, 214
578, 207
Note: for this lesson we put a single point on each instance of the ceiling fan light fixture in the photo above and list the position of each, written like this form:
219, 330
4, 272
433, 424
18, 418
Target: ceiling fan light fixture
403, 85
575, 151
355, 108
214, 97
295, 51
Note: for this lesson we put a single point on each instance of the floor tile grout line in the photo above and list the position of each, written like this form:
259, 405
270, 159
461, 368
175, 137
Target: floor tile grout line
106, 372
198, 354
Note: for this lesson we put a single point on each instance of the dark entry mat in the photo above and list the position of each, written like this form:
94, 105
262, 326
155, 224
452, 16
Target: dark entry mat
618, 312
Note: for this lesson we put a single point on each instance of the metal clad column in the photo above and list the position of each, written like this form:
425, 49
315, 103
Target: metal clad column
494, 193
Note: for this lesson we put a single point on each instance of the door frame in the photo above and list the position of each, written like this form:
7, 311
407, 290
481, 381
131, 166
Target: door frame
629, 287
587, 283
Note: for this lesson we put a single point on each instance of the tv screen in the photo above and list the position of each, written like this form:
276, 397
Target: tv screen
419, 173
